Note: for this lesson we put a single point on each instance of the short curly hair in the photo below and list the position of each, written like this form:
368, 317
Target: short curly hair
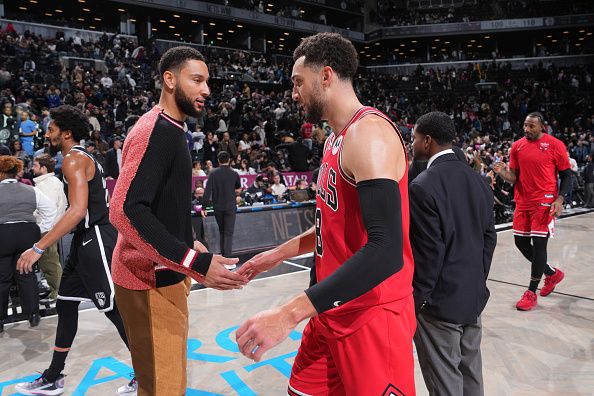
329, 49
69, 118
175, 57
438, 125
10, 165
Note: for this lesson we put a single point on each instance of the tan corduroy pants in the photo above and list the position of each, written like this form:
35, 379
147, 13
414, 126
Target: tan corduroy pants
156, 323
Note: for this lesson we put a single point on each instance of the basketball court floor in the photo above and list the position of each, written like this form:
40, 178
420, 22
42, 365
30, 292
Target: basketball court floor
547, 351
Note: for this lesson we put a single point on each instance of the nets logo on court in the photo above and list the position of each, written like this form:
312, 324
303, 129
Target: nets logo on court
391, 390
100, 296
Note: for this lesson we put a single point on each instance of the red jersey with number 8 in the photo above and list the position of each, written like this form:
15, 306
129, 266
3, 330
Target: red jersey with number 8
340, 231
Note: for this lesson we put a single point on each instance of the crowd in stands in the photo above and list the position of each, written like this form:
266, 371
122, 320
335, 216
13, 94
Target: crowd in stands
291, 9
258, 123
400, 13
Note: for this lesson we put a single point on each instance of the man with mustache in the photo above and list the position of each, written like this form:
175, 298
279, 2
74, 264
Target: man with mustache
155, 256
358, 340
86, 275
535, 161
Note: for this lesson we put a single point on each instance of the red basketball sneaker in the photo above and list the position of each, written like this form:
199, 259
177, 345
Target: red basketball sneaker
551, 281
527, 302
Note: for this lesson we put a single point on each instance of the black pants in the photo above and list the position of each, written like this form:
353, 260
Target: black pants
226, 222
14, 240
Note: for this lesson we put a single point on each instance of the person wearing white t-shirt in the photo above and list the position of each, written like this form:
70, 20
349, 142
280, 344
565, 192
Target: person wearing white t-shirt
278, 189
47, 182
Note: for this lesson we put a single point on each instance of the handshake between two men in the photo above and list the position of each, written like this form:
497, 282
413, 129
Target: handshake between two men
266, 329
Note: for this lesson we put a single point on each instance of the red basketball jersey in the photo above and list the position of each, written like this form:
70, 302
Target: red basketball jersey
539, 162
340, 231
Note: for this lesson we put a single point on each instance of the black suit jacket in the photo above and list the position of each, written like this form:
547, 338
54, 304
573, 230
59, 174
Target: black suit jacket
453, 237
111, 164
220, 188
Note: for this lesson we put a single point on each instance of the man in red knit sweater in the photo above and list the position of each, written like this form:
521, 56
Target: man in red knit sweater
151, 207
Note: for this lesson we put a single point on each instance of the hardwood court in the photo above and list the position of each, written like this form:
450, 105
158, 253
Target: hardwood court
548, 351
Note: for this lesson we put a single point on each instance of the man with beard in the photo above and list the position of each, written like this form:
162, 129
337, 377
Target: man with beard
535, 161
360, 296
155, 257
86, 276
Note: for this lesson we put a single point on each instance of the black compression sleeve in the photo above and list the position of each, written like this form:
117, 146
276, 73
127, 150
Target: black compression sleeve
565, 176
378, 259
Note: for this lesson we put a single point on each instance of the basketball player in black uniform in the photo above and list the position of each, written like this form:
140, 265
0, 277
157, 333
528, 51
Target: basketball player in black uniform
87, 275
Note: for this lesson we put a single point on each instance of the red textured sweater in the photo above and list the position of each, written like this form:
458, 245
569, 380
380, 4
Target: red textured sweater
151, 205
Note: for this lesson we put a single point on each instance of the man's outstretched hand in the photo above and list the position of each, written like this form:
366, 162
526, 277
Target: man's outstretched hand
220, 278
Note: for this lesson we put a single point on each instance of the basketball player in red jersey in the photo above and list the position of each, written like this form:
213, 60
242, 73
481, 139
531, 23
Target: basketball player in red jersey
535, 161
358, 340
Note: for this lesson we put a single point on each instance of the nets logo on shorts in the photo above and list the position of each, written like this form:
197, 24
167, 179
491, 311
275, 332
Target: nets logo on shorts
391, 390
100, 296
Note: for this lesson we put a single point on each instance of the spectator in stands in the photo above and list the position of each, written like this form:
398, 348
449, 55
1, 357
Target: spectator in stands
16, 148
28, 130
53, 97
198, 198
228, 145
47, 182
278, 189
93, 120
297, 151
18, 232
210, 148
244, 143
245, 169
257, 187
197, 169
113, 159
306, 132
7, 120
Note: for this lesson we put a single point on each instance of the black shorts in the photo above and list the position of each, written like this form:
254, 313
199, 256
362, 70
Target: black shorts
87, 273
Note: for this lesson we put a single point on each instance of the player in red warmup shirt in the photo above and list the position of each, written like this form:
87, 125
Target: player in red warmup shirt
359, 338
536, 160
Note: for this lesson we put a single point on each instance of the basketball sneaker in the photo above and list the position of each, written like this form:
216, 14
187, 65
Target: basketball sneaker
551, 281
41, 386
527, 302
129, 389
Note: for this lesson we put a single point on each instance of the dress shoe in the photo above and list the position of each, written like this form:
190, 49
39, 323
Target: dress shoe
34, 319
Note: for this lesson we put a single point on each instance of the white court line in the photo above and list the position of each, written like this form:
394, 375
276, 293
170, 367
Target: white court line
303, 256
296, 265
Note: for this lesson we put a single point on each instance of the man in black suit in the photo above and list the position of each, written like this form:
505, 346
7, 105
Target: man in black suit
221, 188
453, 238
113, 159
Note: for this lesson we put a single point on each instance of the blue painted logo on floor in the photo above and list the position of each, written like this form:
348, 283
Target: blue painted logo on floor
230, 352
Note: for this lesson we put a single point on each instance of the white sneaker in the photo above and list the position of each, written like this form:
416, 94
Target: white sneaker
41, 386
129, 389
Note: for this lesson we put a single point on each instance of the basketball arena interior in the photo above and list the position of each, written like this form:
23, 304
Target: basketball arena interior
489, 65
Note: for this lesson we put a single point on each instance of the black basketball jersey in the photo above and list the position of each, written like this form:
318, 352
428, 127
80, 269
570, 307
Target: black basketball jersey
98, 202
